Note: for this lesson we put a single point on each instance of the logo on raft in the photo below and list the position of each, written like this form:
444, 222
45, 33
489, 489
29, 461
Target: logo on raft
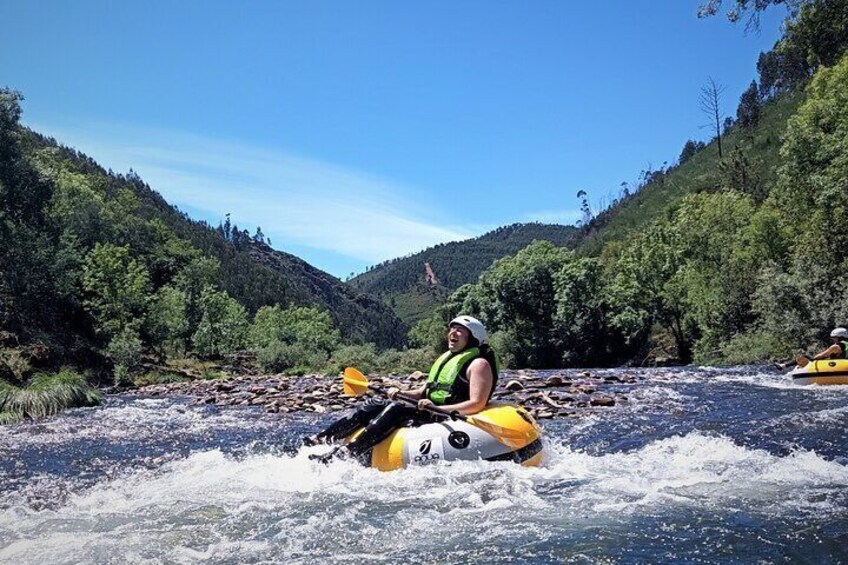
429, 451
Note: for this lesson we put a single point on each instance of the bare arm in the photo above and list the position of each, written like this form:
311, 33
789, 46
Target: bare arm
829, 352
480, 381
415, 393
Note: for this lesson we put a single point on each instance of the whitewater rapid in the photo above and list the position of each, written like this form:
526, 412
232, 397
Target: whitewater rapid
693, 469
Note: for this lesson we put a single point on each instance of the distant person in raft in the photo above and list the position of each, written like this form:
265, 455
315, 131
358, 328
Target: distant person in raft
837, 350
462, 379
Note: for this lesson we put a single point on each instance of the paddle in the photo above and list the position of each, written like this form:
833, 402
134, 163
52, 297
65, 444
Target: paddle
800, 360
356, 384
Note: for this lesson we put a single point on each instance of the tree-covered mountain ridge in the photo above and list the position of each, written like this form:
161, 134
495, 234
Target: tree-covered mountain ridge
416, 284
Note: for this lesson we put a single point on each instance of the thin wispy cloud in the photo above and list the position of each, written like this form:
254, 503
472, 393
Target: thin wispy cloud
296, 200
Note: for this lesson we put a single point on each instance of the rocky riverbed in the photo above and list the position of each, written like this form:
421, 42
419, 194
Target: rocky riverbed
545, 395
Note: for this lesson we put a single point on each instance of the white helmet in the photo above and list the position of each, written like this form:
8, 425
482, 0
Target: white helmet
473, 325
839, 332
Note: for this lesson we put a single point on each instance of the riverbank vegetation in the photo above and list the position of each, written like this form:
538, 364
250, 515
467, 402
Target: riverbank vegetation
44, 395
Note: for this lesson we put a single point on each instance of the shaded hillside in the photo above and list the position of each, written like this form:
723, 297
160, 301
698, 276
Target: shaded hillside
254, 273
365, 318
402, 283
94, 262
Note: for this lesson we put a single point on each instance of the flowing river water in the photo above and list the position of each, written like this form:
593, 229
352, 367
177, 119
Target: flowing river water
730, 465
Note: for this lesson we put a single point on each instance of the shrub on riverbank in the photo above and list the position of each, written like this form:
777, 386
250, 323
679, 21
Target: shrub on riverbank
277, 357
366, 358
45, 395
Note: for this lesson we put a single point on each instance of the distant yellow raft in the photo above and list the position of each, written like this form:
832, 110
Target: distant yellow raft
451, 440
822, 372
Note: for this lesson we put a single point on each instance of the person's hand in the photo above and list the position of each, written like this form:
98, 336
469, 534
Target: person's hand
425, 403
392, 392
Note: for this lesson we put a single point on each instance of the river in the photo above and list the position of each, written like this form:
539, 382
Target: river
701, 465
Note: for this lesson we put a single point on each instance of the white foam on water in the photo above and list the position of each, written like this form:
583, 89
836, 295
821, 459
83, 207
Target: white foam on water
664, 396
761, 377
816, 418
136, 419
707, 471
213, 507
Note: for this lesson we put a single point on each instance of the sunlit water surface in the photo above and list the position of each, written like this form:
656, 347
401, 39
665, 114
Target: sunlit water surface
699, 466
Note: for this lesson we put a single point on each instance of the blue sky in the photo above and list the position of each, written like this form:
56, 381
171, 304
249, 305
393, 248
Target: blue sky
355, 132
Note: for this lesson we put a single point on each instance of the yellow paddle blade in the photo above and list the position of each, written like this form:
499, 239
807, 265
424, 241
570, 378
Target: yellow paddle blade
510, 437
354, 383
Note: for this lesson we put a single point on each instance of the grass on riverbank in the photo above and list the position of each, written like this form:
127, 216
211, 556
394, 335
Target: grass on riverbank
45, 395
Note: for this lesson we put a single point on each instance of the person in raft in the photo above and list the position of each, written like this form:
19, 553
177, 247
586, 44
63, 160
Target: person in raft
462, 379
838, 349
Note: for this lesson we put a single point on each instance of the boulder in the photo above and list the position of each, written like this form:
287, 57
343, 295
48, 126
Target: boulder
602, 400
514, 385
554, 380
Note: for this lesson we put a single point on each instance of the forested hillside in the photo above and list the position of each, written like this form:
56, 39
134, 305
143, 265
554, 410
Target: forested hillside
729, 255
96, 265
401, 283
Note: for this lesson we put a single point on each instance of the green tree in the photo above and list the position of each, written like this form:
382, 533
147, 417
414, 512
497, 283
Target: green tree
643, 291
819, 32
429, 333
748, 111
517, 295
199, 274
717, 277
124, 350
166, 321
116, 288
223, 324
750, 7
689, 149
307, 326
581, 331
811, 194
738, 173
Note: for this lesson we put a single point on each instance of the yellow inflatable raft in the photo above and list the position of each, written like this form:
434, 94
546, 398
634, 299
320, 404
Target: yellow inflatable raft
455, 440
822, 372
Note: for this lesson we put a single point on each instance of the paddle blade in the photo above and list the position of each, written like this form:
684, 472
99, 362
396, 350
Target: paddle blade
510, 437
354, 383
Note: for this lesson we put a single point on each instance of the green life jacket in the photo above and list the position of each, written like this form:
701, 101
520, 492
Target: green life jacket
844, 345
442, 384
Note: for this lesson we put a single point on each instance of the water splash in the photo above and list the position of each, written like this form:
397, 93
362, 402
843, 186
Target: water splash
676, 473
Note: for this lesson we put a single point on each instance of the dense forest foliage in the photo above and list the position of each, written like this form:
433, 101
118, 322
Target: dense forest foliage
735, 257
401, 282
97, 270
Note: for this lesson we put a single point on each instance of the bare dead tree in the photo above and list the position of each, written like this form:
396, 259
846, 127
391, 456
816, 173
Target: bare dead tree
710, 101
